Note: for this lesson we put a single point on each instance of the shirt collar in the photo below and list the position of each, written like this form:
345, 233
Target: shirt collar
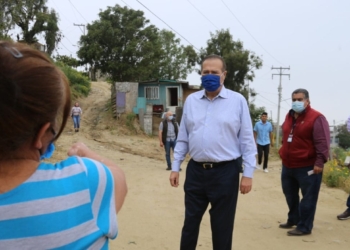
223, 93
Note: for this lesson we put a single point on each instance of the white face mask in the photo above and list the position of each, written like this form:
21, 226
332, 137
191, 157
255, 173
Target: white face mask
170, 117
298, 106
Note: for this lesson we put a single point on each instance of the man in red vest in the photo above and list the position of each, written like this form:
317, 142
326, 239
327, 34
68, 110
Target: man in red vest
304, 150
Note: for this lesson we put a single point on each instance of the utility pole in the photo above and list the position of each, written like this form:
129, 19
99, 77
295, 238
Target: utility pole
80, 25
333, 141
248, 91
279, 101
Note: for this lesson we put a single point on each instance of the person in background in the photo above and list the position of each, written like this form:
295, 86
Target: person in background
69, 204
216, 130
346, 214
76, 113
263, 138
304, 151
168, 131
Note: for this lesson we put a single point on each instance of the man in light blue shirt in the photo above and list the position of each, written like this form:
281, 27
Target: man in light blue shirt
215, 130
263, 138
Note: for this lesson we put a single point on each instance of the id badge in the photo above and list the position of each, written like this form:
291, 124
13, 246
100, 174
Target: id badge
290, 138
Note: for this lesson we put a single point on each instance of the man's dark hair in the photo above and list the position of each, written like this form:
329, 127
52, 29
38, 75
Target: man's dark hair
264, 113
304, 91
215, 57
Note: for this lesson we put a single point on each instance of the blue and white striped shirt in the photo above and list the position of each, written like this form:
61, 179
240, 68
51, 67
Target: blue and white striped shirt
67, 205
216, 130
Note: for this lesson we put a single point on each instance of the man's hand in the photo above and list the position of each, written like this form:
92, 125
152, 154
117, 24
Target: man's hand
271, 145
174, 179
317, 170
246, 185
161, 144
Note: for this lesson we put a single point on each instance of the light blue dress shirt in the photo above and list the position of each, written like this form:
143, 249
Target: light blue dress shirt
263, 131
216, 130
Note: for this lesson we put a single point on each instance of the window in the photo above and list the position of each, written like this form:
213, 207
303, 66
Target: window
152, 93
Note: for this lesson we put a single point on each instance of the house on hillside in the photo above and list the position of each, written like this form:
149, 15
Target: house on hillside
149, 98
165, 94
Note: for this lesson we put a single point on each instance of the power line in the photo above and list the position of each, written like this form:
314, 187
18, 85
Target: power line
202, 14
126, 4
78, 11
80, 25
65, 47
167, 25
258, 95
249, 32
60, 11
68, 40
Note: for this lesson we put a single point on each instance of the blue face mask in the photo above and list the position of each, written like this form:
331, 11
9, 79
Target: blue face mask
49, 151
298, 106
211, 82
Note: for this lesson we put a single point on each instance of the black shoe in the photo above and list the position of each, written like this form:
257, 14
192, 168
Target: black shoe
286, 225
180, 169
345, 215
168, 168
296, 232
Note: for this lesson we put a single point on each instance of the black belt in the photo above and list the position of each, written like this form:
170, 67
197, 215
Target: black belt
210, 165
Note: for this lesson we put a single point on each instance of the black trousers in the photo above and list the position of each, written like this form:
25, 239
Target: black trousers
219, 187
263, 149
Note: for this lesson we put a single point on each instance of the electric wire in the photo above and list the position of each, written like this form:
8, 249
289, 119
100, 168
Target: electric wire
167, 25
65, 47
60, 12
250, 33
202, 14
126, 4
78, 11
271, 101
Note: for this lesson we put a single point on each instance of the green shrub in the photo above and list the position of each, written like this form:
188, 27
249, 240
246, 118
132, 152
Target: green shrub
335, 174
80, 84
130, 118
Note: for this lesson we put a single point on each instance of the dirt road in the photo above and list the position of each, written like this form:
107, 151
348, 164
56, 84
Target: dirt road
153, 212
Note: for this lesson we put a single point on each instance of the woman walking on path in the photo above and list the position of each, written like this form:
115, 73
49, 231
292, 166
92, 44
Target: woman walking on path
75, 114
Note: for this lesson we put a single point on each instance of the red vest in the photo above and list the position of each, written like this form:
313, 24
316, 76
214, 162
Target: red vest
300, 152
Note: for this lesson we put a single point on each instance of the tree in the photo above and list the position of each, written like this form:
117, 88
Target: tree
255, 112
343, 137
5, 20
67, 60
122, 44
240, 63
33, 18
177, 60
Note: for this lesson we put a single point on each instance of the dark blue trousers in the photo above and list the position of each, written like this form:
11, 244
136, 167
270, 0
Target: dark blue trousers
218, 186
301, 211
348, 203
169, 145
76, 121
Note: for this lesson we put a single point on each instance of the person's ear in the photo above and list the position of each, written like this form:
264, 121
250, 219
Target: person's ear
40, 139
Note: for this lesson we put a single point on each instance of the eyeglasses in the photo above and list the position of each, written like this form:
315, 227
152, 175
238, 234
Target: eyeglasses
12, 50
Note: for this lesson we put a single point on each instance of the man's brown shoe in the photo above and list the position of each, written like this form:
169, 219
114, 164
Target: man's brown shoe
344, 216
287, 225
296, 232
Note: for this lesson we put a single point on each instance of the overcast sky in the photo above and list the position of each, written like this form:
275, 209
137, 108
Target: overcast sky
309, 36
